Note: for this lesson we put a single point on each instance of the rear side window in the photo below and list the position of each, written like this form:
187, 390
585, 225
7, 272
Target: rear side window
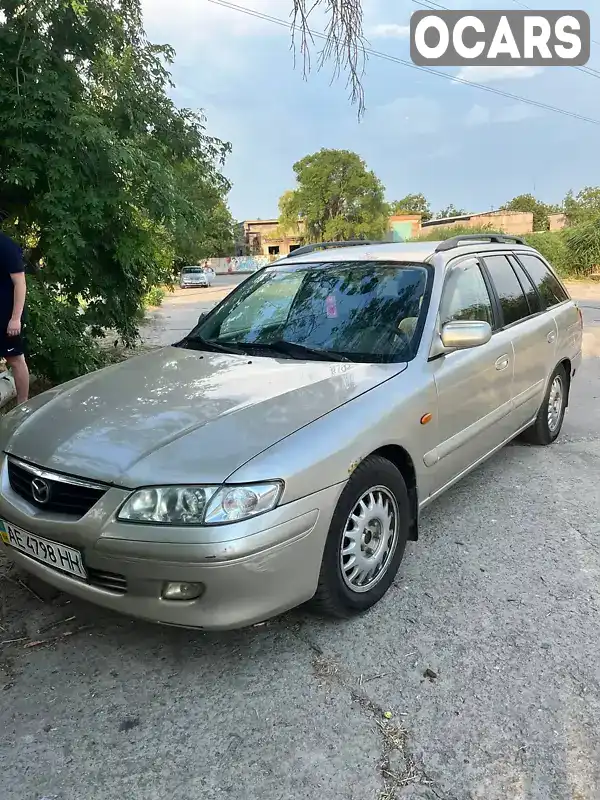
531, 294
512, 298
548, 286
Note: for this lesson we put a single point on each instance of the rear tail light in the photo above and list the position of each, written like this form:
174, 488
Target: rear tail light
580, 316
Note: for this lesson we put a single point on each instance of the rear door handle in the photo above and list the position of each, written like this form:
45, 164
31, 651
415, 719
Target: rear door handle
502, 363
551, 337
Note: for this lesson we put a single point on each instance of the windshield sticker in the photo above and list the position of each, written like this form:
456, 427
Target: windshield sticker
331, 307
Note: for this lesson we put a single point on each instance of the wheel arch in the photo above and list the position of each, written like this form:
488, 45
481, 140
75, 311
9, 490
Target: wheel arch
568, 367
402, 460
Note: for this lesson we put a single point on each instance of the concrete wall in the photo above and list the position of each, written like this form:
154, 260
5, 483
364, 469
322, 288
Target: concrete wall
557, 222
513, 222
239, 263
404, 226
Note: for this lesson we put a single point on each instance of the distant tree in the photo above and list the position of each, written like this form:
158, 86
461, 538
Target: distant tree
211, 232
336, 197
529, 203
583, 206
412, 204
100, 173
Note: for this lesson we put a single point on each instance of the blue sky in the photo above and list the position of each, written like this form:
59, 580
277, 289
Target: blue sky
420, 133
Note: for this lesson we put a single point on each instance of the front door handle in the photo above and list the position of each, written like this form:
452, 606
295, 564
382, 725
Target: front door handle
502, 363
551, 337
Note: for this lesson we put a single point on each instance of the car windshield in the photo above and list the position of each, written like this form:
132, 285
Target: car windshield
357, 310
187, 270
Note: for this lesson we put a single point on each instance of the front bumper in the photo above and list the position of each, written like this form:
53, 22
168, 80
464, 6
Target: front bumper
250, 571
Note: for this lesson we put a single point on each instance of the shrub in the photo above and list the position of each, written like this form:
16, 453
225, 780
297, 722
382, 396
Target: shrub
60, 345
583, 247
438, 234
155, 296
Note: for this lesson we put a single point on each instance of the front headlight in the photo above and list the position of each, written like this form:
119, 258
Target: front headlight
199, 505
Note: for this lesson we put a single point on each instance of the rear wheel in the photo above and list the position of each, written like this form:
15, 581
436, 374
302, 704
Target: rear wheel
366, 540
549, 420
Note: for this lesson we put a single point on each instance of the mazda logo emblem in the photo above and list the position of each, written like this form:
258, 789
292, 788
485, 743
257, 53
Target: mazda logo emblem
40, 490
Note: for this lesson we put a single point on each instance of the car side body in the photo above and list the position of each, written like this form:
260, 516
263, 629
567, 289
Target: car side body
174, 417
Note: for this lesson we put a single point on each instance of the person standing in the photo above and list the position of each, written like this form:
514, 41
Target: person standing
13, 289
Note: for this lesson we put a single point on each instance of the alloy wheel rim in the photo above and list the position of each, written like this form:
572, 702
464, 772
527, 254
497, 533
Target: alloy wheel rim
555, 403
370, 539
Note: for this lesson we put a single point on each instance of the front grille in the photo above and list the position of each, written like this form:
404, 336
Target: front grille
109, 581
75, 498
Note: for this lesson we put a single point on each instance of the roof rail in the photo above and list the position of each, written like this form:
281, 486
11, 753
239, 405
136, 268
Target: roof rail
310, 248
492, 238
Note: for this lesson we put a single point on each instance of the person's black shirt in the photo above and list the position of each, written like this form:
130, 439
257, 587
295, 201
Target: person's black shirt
11, 262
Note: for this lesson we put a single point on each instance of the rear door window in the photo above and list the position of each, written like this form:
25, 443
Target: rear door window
548, 286
533, 298
513, 301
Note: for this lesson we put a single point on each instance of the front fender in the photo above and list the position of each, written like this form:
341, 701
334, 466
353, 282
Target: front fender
327, 451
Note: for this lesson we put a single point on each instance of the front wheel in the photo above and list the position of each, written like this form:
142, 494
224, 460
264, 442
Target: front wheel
549, 420
366, 542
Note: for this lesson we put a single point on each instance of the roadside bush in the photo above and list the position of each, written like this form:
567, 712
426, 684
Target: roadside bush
583, 247
60, 345
155, 296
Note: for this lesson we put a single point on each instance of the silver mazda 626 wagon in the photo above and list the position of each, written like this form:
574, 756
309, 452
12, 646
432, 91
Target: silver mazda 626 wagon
282, 451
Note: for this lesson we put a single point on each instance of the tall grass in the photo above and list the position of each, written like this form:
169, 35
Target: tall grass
439, 233
573, 252
583, 246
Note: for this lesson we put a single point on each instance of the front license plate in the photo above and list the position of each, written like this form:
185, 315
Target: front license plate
53, 554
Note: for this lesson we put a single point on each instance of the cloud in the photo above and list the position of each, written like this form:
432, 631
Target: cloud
492, 74
483, 115
389, 31
478, 115
199, 20
213, 44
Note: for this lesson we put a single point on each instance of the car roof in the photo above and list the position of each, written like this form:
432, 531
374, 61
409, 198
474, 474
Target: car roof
392, 251
418, 252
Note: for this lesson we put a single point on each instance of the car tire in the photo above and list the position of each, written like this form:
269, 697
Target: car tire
549, 420
378, 479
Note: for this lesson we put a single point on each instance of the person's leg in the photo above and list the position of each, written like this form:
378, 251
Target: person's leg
20, 373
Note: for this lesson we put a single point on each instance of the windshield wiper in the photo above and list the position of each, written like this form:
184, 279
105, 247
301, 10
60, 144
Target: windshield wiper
198, 343
294, 350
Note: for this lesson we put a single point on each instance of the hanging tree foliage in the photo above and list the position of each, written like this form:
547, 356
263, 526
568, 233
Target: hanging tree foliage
344, 45
100, 173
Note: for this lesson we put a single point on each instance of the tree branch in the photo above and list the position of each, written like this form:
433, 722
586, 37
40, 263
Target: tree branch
344, 45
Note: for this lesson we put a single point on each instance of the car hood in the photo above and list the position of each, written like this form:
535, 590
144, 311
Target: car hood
177, 415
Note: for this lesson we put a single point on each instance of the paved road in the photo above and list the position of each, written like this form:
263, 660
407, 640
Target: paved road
486, 653
180, 310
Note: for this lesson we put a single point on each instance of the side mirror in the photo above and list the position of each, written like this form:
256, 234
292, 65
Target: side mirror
201, 317
464, 334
